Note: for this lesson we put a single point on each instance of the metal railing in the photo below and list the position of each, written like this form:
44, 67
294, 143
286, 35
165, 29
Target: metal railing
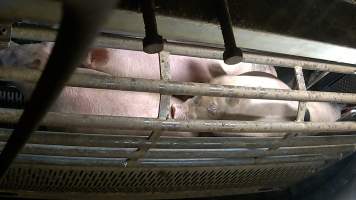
153, 151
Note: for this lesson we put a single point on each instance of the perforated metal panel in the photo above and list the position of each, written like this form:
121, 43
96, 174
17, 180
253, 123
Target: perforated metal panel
152, 180
345, 84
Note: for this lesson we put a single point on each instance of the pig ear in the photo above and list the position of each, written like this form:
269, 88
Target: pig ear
178, 111
98, 57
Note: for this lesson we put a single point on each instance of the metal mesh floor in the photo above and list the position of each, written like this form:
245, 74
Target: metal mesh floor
66, 179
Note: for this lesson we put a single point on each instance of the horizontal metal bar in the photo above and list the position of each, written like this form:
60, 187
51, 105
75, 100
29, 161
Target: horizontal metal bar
120, 162
172, 87
105, 152
250, 153
120, 141
276, 161
135, 123
274, 59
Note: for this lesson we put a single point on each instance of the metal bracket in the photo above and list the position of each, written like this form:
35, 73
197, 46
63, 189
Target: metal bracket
5, 35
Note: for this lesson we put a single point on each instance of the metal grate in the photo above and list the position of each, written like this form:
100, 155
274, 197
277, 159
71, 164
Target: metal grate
10, 96
143, 180
345, 84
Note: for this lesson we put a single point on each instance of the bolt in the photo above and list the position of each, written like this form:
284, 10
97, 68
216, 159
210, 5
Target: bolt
232, 54
153, 42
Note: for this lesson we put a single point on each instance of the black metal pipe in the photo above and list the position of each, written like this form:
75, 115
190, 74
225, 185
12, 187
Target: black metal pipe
153, 42
80, 23
232, 54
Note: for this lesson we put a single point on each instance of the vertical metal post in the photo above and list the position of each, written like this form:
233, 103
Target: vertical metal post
153, 42
79, 26
164, 107
302, 106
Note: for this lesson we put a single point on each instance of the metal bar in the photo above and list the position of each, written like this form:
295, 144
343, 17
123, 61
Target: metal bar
71, 46
120, 162
165, 100
115, 152
302, 106
202, 51
315, 79
250, 153
53, 119
120, 141
172, 87
164, 105
234, 162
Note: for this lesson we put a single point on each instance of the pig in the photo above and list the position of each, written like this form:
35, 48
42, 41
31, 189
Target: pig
323, 111
135, 64
32, 56
221, 108
87, 100
91, 101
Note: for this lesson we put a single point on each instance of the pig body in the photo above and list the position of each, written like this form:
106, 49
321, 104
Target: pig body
87, 100
125, 63
136, 64
323, 111
222, 108
32, 56
113, 103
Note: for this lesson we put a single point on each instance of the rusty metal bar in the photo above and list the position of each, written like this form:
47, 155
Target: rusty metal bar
121, 141
71, 46
172, 87
273, 59
53, 119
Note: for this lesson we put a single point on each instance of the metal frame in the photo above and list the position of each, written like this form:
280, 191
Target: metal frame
130, 152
